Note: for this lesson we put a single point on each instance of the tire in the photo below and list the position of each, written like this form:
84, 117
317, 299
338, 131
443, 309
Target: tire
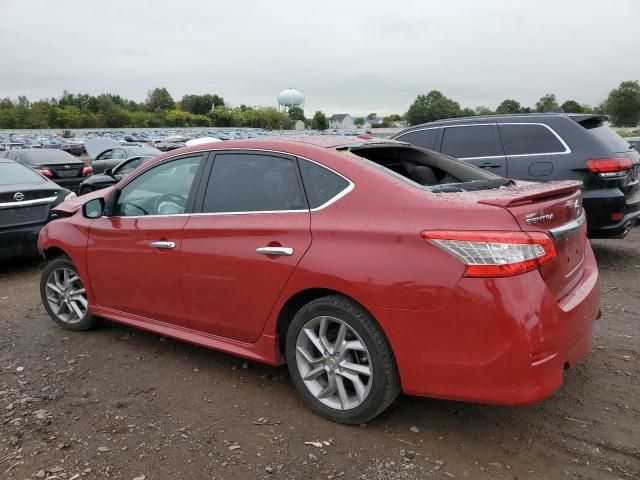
61, 288
369, 378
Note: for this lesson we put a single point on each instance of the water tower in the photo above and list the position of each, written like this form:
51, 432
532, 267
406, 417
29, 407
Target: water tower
290, 98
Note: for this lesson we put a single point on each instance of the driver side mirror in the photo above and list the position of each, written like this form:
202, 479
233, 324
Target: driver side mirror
93, 208
109, 171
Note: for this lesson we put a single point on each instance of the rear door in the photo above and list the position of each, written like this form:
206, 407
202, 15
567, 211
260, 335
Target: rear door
532, 150
478, 144
238, 253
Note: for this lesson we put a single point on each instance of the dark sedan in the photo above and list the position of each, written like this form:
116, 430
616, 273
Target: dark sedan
57, 165
111, 176
26, 199
106, 152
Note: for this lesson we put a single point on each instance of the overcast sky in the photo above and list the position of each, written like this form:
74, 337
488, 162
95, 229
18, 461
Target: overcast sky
344, 56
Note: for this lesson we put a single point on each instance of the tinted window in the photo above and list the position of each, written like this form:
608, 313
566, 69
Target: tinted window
163, 190
472, 141
422, 138
320, 184
529, 139
253, 183
13, 173
105, 155
609, 139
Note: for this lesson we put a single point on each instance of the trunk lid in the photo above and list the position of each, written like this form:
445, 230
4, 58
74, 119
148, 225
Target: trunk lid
554, 208
64, 170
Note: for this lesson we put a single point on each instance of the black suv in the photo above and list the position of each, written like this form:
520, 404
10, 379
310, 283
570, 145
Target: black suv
554, 146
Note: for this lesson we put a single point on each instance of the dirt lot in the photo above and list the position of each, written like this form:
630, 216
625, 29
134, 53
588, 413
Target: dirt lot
120, 403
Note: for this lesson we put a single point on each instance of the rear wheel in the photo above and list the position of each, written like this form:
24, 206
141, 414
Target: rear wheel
64, 296
340, 361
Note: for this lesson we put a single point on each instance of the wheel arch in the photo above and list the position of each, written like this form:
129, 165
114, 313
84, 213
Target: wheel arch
298, 300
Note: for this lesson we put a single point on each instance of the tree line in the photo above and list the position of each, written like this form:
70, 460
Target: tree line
622, 105
78, 110
73, 110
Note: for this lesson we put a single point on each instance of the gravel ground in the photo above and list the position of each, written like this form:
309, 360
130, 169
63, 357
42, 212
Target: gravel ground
121, 403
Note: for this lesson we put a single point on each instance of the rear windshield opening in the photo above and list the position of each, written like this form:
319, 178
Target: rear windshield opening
431, 170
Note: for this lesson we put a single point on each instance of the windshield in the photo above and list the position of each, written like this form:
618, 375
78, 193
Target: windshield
14, 173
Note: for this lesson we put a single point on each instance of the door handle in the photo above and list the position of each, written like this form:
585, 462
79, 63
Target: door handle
490, 165
287, 251
163, 244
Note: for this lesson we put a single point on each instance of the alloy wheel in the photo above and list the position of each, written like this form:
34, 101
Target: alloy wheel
66, 295
334, 363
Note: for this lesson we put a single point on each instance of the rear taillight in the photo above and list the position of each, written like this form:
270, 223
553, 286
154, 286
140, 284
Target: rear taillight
87, 171
495, 254
610, 167
46, 172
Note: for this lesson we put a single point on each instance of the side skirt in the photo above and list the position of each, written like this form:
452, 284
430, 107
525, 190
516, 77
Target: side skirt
265, 350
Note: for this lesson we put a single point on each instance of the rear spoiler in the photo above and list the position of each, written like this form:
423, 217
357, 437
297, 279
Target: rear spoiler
589, 120
528, 192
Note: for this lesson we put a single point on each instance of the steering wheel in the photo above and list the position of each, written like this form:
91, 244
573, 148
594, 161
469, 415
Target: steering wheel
170, 197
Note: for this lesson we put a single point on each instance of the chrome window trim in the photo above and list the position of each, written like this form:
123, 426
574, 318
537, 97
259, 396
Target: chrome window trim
566, 151
23, 203
332, 200
568, 228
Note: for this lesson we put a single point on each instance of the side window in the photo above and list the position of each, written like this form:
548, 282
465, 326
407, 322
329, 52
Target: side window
529, 139
118, 154
421, 138
129, 166
105, 155
163, 190
320, 184
471, 141
252, 183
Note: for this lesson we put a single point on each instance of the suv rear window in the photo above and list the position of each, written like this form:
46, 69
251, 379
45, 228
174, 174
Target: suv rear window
470, 141
527, 139
605, 136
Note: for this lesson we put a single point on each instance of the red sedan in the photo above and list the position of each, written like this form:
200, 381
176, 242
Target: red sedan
368, 266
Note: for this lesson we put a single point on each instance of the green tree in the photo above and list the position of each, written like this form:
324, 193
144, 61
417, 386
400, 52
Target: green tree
546, 103
509, 106
358, 122
623, 104
200, 104
394, 117
467, 112
372, 116
571, 106
430, 107
482, 110
319, 121
158, 99
296, 113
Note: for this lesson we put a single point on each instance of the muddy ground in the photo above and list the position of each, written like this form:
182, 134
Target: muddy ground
121, 403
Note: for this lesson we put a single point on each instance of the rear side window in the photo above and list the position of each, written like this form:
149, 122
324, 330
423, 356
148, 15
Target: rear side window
421, 138
610, 140
320, 184
471, 141
253, 183
529, 140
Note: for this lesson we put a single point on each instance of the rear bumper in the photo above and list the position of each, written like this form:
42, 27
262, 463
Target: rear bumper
19, 242
479, 346
599, 205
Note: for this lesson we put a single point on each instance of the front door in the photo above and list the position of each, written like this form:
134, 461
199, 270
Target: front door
239, 252
133, 254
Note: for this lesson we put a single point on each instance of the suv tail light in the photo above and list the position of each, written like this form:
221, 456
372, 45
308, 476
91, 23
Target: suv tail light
610, 167
495, 254
86, 171
45, 172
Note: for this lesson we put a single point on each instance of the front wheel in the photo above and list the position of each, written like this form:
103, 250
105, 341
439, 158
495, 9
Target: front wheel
64, 296
340, 361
